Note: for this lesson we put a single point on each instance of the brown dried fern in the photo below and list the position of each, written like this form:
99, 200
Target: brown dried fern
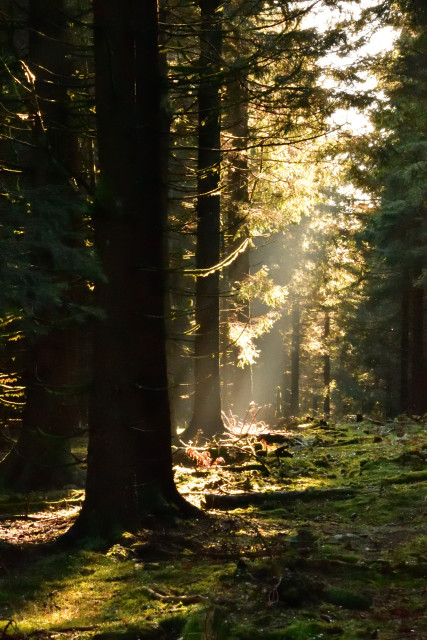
202, 458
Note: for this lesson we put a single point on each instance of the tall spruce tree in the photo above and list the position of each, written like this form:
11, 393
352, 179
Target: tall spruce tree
129, 460
392, 162
207, 394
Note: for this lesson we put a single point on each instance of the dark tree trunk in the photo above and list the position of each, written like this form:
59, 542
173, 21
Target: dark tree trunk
207, 396
240, 377
295, 357
418, 364
404, 351
129, 461
41, 457
326, 366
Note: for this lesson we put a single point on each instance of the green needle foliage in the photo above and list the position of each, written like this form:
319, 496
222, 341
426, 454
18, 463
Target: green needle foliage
43, 251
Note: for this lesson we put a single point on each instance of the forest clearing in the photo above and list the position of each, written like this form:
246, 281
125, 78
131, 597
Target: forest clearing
305, 562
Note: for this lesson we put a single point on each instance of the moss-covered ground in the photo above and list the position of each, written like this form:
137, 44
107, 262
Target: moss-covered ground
348, 565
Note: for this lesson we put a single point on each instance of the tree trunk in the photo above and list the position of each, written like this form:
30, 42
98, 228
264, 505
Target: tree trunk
41, 458
207, 396
326, 366
404, 350
295, 357
240, 377
418, 364
129, 460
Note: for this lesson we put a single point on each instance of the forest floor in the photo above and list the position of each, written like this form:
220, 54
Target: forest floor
313, 530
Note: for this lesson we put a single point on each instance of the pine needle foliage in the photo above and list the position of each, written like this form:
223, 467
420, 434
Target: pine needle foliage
44, 250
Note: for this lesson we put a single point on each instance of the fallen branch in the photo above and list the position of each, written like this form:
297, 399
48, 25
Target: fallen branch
13, 516
238, 500
280, 437
242, 467
247, 450
11, 623
406, 478
60, 629
191, 599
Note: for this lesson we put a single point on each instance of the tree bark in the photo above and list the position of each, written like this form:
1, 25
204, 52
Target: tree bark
418, 364
326, 366
129, 460
295, 357
207, 396
240, 377
404, 350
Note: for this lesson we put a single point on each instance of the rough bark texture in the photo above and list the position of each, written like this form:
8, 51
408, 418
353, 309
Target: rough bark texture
240, 379
129, 460
207, 396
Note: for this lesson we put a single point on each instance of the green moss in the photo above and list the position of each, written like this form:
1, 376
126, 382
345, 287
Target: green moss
348, 599
404, 478
305, 631
373, 539
209, 623
173, 625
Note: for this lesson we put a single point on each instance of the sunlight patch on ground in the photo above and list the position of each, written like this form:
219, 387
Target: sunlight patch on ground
41, 526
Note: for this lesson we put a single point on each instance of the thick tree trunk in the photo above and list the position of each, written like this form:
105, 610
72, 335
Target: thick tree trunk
207, 396
240, 377
129, 461
295, 357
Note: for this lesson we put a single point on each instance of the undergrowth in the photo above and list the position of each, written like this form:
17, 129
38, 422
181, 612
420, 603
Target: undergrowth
349, 567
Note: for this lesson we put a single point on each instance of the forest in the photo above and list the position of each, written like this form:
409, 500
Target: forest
213, 267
